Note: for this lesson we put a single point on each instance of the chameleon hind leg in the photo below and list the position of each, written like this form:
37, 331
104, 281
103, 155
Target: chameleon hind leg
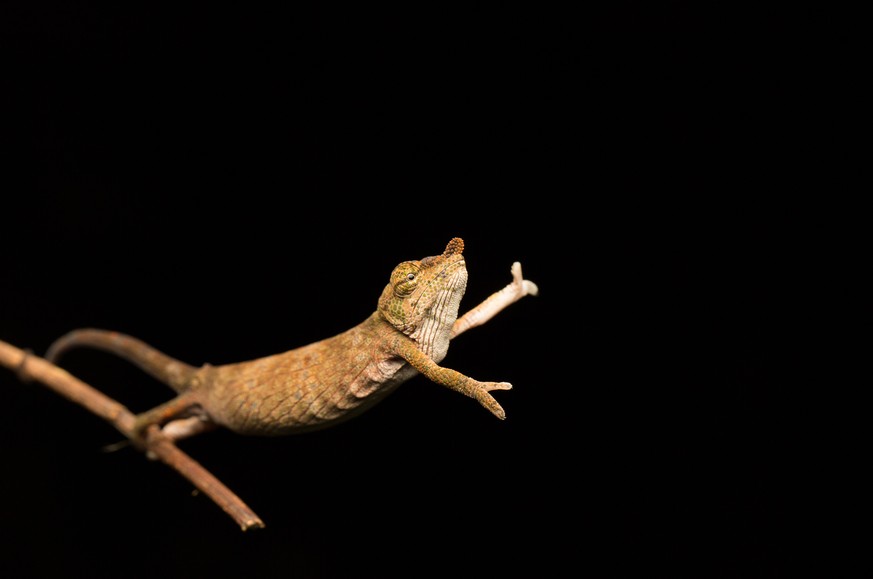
179, 418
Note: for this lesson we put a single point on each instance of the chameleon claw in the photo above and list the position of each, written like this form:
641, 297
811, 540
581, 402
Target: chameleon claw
489, 402
492, 405
525, 286
489, 386
530, 288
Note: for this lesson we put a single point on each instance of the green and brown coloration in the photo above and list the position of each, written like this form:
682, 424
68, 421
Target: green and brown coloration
332, 380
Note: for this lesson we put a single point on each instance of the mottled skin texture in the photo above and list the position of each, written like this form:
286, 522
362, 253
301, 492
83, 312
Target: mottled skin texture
332, 380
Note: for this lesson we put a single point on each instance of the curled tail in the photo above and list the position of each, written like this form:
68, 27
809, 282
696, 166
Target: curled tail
166, 369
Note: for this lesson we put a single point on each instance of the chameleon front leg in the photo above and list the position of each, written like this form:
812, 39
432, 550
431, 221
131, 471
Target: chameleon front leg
452, 378
513, 292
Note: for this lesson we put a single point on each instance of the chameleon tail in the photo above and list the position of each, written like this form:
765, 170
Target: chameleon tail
168, 370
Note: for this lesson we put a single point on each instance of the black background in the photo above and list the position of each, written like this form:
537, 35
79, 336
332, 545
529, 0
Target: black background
229, 182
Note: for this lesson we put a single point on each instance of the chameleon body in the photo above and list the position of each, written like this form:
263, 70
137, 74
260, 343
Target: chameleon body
331, 380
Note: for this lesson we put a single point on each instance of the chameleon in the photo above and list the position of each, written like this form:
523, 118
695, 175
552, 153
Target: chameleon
326, 382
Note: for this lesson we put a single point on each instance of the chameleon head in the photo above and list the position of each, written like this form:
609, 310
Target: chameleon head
422, 297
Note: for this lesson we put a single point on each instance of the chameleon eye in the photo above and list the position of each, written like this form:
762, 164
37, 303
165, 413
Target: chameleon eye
410, 276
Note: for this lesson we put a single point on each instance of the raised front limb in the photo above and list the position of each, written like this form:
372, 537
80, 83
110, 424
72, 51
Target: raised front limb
452, 378
513, 292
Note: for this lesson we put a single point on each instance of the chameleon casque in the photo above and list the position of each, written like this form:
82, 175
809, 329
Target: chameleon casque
331, 380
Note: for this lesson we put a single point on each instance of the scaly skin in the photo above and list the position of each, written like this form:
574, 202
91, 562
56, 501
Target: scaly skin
334, 379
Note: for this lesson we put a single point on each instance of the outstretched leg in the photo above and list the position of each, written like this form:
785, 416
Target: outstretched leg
513, 292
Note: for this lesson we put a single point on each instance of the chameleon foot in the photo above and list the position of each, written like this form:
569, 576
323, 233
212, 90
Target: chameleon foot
485, 399
523, 287
511, 293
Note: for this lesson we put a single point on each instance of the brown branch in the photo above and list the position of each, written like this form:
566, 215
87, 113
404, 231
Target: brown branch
157, 445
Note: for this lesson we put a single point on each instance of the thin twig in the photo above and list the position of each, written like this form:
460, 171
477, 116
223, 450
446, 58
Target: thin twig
157, 444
